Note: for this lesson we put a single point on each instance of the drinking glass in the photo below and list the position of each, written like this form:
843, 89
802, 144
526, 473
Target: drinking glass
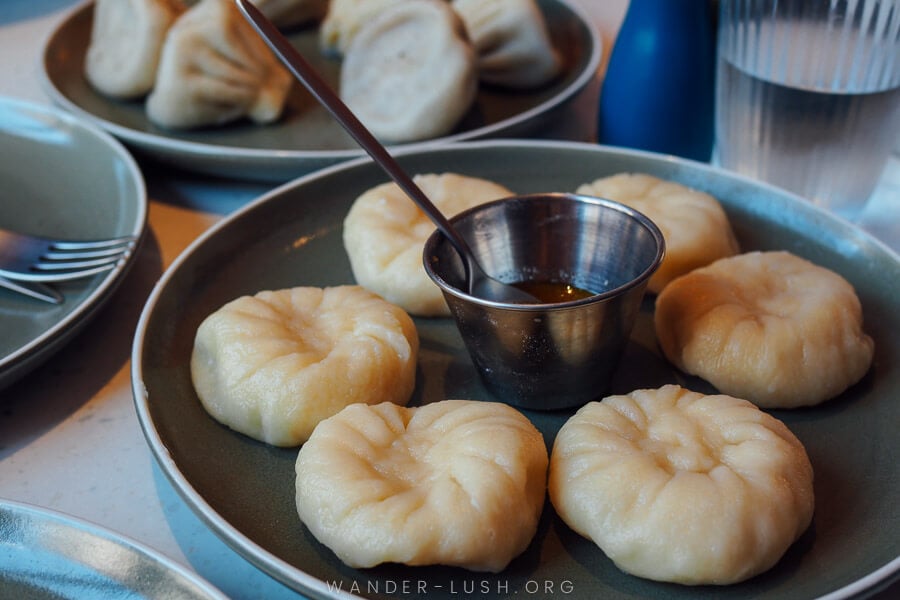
808, 95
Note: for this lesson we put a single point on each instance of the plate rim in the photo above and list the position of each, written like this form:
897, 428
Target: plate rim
87, 527
153, 143
293, 576
87, 306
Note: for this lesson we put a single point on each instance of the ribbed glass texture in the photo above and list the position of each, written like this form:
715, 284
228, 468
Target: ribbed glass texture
808, 94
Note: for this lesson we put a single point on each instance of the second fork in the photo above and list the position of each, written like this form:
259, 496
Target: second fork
32, 258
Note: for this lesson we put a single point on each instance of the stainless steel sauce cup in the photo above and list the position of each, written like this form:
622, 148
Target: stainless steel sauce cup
553, 355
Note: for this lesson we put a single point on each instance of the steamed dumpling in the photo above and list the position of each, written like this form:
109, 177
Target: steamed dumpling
511, 38
288, 13
344, 19
214, 69
273, 365
770, 327
693, 223
456, 482
126, 41
385, 232
683, 487
410, 72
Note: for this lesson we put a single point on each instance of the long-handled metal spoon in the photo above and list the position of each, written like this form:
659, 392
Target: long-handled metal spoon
480, 284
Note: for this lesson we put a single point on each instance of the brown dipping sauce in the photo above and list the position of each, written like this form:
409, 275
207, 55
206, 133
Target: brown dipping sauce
548, 292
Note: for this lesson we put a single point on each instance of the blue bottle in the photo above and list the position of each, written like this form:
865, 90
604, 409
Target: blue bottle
658, 91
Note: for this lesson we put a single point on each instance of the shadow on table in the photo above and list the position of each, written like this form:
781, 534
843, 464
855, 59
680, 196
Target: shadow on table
78, 372
198, 192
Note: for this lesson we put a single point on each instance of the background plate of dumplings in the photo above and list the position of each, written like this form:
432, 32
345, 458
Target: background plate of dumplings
306, 138
244, 489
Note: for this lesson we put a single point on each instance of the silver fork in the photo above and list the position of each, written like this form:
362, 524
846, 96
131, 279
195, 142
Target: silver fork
33, 289
39, 259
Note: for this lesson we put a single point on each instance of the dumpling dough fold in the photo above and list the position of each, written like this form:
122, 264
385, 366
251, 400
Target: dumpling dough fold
678, 486
410, 73
770, 327
696, 229
343, 21
214, 69
288, 13
273, 365
126, 42
455, 482
512, 41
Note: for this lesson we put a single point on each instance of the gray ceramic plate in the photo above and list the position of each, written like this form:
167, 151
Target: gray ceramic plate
307, 138
46, 554
292, 236
60, 178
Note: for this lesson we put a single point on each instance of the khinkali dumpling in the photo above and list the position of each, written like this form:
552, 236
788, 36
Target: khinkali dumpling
384, 233
455, 482
214, 69
273, 365
511, 38
770, 327
126, 40
343, 20
694, 224
410, 73
678, 486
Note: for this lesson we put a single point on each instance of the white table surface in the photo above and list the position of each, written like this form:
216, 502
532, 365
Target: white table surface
69, 437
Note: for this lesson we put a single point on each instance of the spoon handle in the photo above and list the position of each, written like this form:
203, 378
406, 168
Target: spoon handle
322, 91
